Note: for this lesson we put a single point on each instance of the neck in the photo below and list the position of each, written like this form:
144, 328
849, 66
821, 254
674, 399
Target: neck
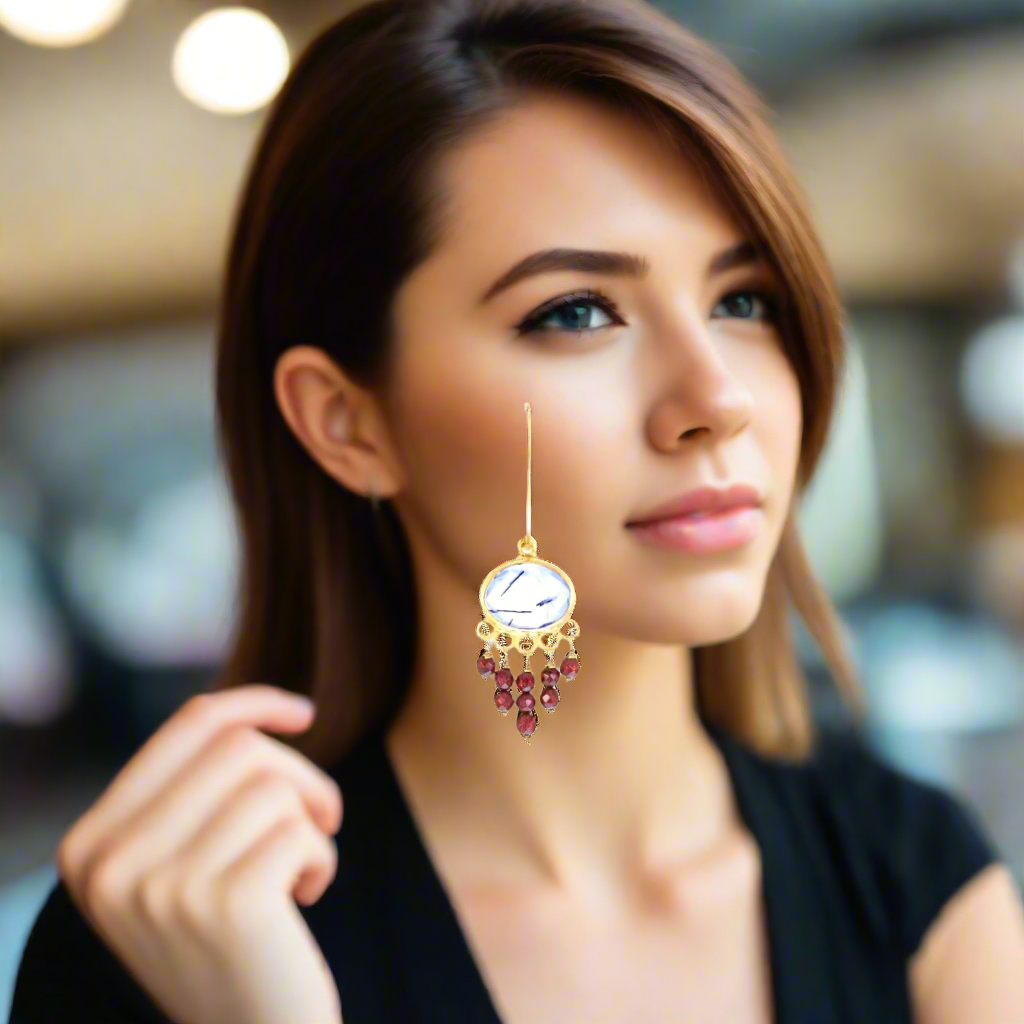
620, 780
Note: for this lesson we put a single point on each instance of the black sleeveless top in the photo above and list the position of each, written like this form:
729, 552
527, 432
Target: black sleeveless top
857, 861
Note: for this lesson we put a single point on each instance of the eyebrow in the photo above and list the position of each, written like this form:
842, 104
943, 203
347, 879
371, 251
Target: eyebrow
596, 261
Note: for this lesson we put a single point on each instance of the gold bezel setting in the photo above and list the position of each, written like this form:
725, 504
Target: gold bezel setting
496, 627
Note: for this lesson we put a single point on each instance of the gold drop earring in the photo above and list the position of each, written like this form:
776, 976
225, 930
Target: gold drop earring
527, 603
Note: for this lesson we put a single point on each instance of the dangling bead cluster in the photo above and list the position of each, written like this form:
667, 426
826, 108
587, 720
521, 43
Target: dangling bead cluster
502, 676
526, 720
570, 666
526, 701
503, 683
549, 696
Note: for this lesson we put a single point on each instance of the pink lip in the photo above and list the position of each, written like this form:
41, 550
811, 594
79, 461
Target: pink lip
703, 521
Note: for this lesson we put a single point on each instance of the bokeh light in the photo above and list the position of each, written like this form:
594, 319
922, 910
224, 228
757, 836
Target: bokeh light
60, 22
231, 60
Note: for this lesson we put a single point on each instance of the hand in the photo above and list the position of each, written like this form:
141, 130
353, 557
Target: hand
190, 864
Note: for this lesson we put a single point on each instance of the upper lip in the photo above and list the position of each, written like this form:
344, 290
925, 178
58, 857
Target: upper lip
703, 499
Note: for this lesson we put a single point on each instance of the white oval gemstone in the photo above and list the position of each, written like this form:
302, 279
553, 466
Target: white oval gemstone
527, 596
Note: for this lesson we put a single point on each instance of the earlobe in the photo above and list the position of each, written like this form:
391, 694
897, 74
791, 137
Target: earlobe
321, 405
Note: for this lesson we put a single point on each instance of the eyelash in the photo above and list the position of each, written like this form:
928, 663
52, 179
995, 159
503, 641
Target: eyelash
766, 296
531, 324
588, 295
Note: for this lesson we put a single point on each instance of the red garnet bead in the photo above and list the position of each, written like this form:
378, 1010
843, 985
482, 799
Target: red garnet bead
548, 697
503, 677
526, 701
549, 676
485, 666
570, 666
525, 681
503, 700
526, 722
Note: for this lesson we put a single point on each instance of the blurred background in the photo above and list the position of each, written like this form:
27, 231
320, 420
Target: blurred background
125, 127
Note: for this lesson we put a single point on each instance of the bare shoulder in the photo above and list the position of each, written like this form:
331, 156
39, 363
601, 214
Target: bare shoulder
970, 965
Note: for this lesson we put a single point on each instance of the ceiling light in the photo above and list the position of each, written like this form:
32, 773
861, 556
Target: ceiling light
231, 60
59, 22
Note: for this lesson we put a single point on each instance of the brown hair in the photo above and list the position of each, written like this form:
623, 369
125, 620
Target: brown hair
341, 203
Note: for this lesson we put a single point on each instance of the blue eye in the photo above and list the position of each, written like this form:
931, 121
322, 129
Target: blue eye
577, 316
581, 311
744, 305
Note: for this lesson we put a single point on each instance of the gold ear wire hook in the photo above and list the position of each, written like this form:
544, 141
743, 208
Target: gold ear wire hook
528, 545
529, 466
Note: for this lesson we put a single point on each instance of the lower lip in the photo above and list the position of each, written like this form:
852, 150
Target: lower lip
703, 534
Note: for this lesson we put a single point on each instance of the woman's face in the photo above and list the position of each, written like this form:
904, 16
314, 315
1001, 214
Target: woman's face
645, 382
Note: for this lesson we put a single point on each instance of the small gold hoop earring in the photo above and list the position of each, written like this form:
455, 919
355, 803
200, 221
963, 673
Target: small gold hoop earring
373, 496
527, 603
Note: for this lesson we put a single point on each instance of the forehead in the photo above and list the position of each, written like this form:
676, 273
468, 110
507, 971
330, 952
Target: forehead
569, 171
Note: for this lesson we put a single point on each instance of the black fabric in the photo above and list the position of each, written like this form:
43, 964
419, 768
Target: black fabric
857, 861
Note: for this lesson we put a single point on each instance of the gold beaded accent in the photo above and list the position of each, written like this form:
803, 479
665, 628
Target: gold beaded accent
527, 547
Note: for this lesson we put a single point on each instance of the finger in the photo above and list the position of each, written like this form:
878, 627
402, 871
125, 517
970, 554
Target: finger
237, 826
179, 809
294, 857
231, 766
176, 742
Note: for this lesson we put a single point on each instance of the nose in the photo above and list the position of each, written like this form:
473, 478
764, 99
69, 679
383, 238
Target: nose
704, 398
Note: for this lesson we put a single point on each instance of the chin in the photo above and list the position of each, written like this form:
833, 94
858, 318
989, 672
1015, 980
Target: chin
703, 610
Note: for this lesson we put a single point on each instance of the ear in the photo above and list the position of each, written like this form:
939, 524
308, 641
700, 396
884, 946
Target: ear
336, 420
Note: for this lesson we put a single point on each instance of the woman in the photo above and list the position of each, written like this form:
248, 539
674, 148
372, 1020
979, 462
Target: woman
458, 208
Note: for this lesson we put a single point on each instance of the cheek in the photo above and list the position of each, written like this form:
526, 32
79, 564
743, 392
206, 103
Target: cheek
451, 429
461, 434
779, 423
455, 439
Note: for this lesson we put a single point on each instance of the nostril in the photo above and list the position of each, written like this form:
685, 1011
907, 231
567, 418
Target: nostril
686, 435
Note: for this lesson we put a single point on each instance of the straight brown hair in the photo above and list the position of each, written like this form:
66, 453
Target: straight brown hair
342, 201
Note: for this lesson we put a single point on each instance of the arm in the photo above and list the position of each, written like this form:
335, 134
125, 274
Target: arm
969, 968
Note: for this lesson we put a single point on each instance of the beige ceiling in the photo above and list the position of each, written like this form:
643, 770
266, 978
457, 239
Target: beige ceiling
116, 193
